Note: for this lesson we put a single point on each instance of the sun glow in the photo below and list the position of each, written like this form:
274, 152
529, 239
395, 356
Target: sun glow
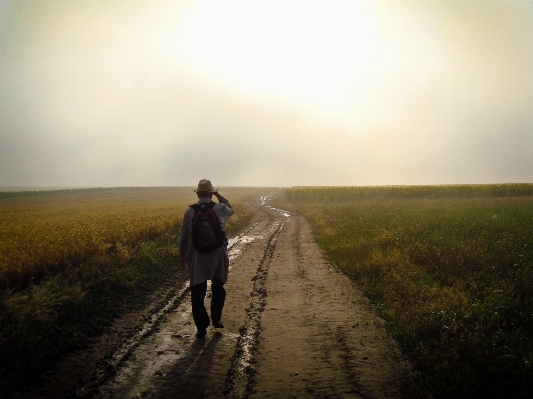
293, 52
299, 92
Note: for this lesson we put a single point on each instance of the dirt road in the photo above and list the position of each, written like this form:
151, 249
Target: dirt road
294, 328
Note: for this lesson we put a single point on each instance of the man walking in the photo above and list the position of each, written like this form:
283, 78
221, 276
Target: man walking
204, 250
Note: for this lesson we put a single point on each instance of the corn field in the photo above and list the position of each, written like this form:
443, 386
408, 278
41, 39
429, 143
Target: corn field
357, 193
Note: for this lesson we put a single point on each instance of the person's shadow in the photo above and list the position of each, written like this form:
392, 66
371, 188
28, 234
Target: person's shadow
187, 378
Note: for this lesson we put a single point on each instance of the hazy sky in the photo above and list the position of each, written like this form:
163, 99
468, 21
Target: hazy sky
277, 93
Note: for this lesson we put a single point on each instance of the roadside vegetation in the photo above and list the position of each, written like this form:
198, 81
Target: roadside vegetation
73, 260
450, 268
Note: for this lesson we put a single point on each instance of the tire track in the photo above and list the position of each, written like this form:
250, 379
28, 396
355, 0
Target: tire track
320, 337
240, 378
111, 375
109, 365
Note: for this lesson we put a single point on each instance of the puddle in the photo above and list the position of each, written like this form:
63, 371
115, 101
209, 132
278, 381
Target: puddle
242, 239
264, 199
236, 245
280, 211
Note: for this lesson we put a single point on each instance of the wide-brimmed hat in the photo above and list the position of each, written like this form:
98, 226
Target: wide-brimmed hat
205, 186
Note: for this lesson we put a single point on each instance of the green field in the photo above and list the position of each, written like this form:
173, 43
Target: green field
72, 260
451, 269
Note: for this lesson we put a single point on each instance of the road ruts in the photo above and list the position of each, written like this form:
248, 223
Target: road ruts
162, 358
240, 378
321, 337
294, 328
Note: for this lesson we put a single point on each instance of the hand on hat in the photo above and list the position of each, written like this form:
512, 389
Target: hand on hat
220, 198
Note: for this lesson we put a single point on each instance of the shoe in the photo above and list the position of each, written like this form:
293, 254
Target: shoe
218, 324
201, 333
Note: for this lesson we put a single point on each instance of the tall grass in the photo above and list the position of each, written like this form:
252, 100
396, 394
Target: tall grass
72, 260
454, 276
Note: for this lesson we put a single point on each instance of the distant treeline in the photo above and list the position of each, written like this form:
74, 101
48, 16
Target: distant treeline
356, 193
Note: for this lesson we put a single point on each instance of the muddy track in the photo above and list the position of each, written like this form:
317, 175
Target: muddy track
294, 327
240, 378
162, 356
115, 359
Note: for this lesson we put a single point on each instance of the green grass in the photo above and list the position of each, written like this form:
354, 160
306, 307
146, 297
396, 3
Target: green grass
453, 275
73, 260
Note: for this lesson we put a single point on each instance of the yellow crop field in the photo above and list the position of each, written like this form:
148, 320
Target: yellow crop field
43, 233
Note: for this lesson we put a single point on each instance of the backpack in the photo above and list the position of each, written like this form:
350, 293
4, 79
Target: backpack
207, 235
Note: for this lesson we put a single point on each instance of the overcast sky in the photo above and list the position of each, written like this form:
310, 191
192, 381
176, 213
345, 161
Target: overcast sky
164, 93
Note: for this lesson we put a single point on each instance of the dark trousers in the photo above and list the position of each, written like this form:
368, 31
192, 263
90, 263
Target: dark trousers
199, 313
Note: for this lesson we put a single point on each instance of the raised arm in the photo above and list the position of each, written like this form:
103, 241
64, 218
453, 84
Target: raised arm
227, 209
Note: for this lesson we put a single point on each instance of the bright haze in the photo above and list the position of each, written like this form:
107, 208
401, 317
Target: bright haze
164, 93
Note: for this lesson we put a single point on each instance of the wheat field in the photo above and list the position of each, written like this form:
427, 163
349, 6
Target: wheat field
44, 233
